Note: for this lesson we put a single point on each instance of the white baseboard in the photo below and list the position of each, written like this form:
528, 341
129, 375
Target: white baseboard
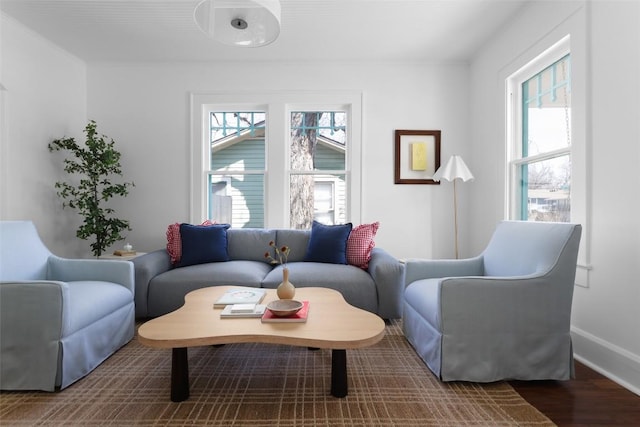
613, 362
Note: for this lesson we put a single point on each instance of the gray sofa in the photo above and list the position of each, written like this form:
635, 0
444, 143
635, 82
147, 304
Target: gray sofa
161, 287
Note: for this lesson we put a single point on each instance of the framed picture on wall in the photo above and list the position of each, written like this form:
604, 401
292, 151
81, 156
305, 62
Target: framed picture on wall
417, 156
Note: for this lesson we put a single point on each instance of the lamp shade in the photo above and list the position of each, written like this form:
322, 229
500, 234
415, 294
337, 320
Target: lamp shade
244, 23
454, 169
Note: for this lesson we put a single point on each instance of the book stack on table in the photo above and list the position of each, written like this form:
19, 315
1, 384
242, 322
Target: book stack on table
299, 317
243, 310
240, 296
245, 302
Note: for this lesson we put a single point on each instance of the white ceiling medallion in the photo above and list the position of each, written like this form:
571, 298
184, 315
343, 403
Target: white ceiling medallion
245, 23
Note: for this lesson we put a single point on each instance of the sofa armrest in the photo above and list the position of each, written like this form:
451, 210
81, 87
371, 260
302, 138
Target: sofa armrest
147, 267
73, 270
32, 321
388, 274
418, 269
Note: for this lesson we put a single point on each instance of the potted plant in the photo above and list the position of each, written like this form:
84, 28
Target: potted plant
95, 165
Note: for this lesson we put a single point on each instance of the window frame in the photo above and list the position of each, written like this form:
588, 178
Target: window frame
575, 28
278, 106
514, 132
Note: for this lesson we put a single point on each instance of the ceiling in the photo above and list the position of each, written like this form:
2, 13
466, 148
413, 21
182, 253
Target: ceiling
311, 30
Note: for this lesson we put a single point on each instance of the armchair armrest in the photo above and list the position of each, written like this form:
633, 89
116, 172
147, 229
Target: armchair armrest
417, 269
526, 303
32, 322
388, 274
72, 270
146, 268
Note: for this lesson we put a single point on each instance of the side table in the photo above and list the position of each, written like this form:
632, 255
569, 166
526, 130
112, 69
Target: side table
121, 257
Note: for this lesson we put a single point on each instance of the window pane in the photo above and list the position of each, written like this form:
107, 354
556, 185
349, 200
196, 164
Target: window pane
236, 123
239, 155
547, 109
546, 189
318, 145
318, 140
548, 129
237, 141
237, 200
323, 200
545, 181
237, 147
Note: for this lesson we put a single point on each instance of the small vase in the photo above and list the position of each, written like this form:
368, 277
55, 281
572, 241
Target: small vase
286, 290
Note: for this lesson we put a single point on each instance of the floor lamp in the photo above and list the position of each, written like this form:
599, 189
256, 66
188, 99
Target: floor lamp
453, 170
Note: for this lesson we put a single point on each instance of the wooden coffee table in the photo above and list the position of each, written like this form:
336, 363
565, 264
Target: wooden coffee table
332, 324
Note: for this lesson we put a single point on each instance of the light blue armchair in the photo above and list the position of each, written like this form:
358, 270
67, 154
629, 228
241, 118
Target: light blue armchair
59, 318
502, 315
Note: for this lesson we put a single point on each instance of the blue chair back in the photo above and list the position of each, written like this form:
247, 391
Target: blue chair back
23, 256
521, 248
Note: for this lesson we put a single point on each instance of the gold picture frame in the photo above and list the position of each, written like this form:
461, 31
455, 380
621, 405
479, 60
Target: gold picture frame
417, 156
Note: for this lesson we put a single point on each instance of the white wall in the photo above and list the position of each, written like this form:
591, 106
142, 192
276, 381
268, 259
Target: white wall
45, 99
605, 43
145, 108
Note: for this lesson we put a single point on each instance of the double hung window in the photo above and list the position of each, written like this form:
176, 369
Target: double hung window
317, 179
275, 164
540, 139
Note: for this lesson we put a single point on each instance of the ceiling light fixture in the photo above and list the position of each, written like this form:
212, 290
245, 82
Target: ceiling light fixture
245, 23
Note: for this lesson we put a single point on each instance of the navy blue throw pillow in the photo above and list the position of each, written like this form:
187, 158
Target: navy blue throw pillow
203, 243
328, 243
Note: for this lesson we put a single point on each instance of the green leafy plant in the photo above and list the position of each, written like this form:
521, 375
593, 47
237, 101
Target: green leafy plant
94, 165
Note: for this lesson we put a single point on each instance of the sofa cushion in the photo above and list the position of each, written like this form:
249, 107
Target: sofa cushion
296, 240
167, 290
203, 243
249, 243
174, 243
328, 243
356, 285
360, 244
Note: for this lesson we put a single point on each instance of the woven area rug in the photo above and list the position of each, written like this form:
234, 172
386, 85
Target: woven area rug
271, 385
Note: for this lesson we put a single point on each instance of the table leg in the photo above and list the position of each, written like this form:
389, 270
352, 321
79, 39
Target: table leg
339, 387
179, 375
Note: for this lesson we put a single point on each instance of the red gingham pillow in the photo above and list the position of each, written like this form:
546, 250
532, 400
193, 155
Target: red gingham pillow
174, 243
360, 244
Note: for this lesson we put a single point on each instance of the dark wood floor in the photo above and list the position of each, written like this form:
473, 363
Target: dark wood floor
590, 399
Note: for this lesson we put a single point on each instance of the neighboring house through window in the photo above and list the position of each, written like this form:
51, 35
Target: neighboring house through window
282, 162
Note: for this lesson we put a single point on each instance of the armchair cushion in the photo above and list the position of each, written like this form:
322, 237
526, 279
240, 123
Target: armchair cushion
85, 311
424, 297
